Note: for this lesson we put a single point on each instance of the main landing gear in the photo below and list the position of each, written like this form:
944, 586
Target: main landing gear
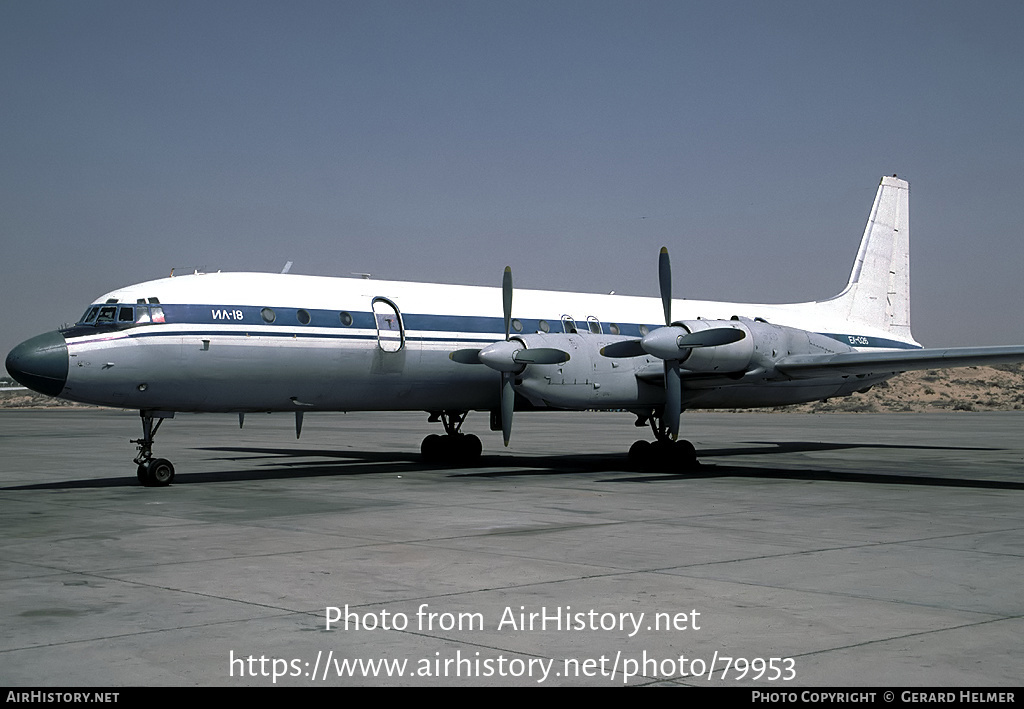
663, 454
152, 472
454, 446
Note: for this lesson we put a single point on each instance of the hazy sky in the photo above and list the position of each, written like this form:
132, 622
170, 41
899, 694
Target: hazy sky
440, 141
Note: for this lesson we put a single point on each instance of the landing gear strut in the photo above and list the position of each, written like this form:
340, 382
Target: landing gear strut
663, 454
455, 446
152, 472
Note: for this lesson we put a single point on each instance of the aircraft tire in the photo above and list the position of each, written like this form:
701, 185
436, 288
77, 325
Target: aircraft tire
470, 447
432, 448
640, 454
457, 448
663, 456
686, 454
159, 472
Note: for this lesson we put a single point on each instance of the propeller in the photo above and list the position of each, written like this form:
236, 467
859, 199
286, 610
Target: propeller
509, 357
672, 344
673, 382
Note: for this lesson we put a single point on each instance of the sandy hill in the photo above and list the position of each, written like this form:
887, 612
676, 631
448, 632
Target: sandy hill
998, 388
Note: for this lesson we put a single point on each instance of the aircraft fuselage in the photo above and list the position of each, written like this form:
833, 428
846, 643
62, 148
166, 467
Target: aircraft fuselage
227, 342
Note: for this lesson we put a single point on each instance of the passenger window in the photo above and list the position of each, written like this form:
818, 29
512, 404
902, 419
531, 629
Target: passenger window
568, 324
594, 324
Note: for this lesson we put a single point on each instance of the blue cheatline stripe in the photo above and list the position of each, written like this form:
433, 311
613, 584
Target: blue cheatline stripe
287, 321
148, 332
289, 318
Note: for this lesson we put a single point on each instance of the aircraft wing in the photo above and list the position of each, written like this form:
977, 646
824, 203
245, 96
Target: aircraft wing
807, 366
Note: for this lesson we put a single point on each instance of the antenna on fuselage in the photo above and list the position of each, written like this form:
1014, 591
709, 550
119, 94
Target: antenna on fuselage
287, 267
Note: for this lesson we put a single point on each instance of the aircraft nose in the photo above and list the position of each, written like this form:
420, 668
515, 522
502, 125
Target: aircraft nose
41, 363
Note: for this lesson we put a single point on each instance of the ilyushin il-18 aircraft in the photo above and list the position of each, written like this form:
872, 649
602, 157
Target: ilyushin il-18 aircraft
254, 342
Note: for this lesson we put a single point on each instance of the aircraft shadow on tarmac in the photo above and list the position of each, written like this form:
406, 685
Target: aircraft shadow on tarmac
285, 463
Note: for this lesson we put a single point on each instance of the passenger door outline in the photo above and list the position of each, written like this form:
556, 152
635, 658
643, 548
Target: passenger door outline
390, 329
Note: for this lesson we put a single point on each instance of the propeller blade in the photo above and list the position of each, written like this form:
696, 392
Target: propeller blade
465, 356
626, 348
508, 401
506, 298
711, 338
541, 355
665, 283
673, 398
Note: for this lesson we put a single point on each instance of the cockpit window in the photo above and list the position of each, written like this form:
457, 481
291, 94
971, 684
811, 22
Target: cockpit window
121, 315
107, 313
148, 313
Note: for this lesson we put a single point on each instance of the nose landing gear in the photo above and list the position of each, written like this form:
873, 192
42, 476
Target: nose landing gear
152, 472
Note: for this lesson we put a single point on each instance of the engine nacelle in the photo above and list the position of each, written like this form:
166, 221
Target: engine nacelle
723, 359
763, 345
587, 380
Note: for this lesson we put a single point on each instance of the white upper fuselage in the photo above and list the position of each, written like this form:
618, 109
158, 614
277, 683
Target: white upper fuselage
227, 291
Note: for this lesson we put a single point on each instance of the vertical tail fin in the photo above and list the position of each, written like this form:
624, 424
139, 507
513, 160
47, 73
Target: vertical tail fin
878, 293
